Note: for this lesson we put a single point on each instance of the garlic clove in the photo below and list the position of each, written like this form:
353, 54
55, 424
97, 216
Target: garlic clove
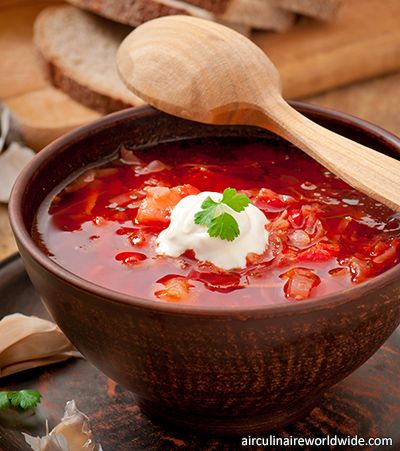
73, 433
28, 342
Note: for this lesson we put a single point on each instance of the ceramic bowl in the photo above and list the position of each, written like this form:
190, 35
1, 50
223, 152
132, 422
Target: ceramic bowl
240, 370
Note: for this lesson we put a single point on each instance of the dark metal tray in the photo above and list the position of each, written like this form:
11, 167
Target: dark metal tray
366, 404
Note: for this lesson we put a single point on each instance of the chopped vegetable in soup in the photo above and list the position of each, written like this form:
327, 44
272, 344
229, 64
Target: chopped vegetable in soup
217, 222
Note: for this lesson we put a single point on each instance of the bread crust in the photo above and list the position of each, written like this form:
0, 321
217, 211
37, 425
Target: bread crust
239, 14
82, 94
216, 6
130, 12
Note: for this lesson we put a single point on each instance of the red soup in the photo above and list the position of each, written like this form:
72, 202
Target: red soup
324, 236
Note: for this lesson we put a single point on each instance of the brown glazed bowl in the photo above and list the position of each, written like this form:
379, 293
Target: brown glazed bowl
240, 370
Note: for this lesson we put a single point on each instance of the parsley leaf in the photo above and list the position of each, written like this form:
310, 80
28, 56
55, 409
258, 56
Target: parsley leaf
205, 217
237, 202
25, 399
225, 226
208, 203
220, 223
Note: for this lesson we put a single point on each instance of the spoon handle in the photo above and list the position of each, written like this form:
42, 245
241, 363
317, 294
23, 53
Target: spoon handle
365, 169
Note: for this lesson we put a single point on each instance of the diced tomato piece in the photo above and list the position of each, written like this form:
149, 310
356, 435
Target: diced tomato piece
386, 252
267, 199
360, 269
300, 283
221, 281
185, 190
130, 258
296, 217
320, 252
176, 288
156, 207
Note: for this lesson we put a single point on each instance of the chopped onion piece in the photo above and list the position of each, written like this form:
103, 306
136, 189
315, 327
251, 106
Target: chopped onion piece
299, 239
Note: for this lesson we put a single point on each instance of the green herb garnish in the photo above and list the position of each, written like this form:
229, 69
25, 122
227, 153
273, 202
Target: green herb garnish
213, 215
24, 399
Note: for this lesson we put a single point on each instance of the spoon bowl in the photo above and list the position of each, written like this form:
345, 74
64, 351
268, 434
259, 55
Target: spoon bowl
206, 72
149, 57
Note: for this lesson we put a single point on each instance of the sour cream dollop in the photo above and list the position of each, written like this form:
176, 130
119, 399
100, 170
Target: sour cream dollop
183, 234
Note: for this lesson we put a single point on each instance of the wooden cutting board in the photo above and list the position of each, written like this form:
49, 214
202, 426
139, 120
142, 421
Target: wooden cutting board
313, 56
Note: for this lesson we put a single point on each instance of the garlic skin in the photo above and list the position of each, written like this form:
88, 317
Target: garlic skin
12, 161
29, 342
73, 433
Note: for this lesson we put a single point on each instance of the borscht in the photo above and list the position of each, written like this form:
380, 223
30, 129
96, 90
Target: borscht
217, 221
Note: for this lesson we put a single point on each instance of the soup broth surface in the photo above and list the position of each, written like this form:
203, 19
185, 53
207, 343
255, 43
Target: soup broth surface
324, 236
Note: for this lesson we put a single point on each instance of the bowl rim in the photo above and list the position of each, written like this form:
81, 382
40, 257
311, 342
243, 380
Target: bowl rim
323, 302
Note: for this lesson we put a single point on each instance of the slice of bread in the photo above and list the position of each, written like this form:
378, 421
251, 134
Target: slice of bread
79, 51
238, 13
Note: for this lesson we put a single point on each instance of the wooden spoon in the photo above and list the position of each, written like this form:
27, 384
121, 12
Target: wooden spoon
205, 72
